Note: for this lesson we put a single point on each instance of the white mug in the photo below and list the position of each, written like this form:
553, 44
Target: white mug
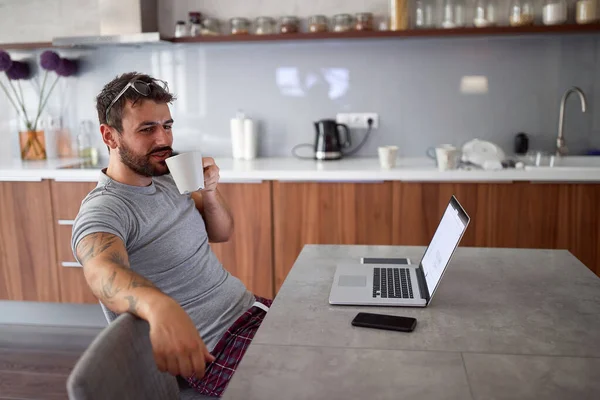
187, 171
447, 157
387, 156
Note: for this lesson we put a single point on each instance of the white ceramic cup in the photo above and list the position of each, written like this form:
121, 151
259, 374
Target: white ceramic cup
387, 156
447, 157
187, 171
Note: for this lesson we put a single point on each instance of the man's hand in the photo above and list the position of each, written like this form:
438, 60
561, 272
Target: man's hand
177, 346
211, 174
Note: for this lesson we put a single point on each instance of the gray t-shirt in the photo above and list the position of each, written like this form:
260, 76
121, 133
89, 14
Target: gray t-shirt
167, 243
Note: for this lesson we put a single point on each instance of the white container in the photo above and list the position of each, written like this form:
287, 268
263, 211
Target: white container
555, 12
237, 136
587, 12
387, 156
250, 147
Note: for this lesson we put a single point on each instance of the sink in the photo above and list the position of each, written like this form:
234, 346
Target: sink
569, 163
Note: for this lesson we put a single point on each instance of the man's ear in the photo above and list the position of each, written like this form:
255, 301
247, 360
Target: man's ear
109, 136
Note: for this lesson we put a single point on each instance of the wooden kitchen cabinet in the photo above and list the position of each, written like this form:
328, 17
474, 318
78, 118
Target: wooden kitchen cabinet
27, 249
248, 255
66, 201
510, 215
327, 213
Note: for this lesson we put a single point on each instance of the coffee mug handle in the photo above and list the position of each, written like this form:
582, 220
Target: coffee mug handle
431, 153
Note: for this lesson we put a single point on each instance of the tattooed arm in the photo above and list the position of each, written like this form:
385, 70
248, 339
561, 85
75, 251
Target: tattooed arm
107, 271
177, 346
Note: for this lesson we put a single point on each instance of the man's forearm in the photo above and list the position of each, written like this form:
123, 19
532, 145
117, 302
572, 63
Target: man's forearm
218, 219
121, 289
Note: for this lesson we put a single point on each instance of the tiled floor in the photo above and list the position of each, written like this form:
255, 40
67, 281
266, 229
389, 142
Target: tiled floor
36, 360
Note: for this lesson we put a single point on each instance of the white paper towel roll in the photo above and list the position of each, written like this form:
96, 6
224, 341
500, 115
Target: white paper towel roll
250, 139
237, 137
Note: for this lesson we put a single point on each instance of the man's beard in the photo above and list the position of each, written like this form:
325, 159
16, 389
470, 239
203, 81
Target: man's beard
141, 164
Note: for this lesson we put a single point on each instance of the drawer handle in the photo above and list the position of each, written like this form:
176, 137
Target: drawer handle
66, 221
71, 264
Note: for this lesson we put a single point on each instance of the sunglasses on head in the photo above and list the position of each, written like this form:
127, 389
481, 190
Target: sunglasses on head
141, 87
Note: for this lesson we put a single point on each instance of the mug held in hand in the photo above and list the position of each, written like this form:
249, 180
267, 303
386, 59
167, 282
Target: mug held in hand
187, 171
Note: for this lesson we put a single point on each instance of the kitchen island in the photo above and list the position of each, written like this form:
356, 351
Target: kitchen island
281, 204
503, 324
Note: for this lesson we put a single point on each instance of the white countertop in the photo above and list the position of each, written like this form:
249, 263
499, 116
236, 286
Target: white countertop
292, 169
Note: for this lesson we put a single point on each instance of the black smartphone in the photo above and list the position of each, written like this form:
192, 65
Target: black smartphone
388, 322
379, 260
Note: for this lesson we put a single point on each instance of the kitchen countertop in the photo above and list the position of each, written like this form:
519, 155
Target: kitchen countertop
363, 169
503, 324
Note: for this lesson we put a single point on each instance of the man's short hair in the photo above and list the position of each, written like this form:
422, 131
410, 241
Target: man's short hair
112, 89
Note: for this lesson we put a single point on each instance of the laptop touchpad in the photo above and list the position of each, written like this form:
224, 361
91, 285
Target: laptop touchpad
353, 280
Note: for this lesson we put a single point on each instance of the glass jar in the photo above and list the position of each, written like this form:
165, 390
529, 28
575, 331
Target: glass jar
454, 14
555, 12
521, 13
318, 23
424, 14
239, 26
342, 22
181, 29
587, 11
398, 15
485, 13
364, 22
195, 19
265, 26
211, 27
289, 25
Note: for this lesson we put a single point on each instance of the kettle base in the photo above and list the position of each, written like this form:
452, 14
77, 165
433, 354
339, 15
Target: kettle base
328, 155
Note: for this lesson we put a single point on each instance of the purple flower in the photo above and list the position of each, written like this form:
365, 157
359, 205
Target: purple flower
49, 60
66, 67
18, 70
5, 61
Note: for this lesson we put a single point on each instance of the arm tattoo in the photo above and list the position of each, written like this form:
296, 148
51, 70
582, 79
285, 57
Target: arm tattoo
118, 259
139, 281
93, 245
108, 289
132, 304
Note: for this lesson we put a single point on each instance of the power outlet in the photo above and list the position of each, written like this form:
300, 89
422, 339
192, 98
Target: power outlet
358, 120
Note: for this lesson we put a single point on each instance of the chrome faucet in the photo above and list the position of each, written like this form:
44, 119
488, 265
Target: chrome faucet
561, 148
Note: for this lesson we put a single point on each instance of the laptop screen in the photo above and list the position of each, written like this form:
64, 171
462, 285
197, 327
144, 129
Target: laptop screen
444, 242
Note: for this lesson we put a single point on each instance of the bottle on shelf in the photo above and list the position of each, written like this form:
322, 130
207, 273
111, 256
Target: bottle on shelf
555, 12
485, 13
521, 13
587, 11
424, 14
454, 14
398, 15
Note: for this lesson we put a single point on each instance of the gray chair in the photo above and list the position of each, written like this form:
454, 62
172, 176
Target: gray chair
119, 364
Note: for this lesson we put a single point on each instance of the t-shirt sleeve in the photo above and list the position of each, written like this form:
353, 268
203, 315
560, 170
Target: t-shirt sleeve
101, 213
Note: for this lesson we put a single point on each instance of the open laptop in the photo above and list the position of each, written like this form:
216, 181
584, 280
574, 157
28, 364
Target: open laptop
403, 285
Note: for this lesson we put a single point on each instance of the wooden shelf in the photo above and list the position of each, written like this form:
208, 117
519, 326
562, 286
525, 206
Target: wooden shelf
412, 33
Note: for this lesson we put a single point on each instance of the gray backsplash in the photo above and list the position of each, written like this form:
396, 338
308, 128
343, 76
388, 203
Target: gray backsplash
413, 84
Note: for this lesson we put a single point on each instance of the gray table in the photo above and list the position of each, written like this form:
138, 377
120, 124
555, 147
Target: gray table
504, 324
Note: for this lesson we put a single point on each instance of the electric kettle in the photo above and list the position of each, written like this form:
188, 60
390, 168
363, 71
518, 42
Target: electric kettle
328, 140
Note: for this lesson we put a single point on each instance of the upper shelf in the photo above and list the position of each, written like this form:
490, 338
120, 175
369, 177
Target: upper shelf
411, 33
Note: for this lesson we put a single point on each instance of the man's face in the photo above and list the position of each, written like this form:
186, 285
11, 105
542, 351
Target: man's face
146, 139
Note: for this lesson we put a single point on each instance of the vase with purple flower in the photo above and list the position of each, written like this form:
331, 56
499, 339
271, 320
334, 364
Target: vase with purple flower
32, 141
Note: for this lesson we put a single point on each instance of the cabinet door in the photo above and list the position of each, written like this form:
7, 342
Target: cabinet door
538, 218
66, 201
327, 213
248, 255
27, 251
579, 222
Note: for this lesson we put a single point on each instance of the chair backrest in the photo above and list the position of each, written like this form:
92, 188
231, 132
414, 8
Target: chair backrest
119, 364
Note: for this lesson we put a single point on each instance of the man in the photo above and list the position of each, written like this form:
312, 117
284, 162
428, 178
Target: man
145, 248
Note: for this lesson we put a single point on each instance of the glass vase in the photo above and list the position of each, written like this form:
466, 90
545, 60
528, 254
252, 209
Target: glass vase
32, 145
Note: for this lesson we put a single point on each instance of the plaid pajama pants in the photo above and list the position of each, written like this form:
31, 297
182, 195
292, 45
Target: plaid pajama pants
229, 351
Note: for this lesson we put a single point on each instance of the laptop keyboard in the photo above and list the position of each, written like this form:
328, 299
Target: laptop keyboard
392, 283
